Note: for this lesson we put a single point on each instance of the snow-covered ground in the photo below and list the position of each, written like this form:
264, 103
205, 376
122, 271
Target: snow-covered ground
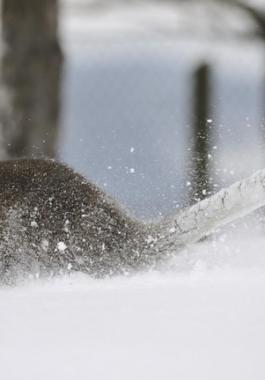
202, 317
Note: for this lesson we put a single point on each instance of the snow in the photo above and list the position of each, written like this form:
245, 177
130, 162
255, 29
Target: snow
202, 316
61, 246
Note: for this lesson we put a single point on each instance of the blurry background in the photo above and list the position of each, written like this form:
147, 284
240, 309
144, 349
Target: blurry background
158, 102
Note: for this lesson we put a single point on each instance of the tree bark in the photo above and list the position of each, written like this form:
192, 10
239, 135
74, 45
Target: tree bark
31, 77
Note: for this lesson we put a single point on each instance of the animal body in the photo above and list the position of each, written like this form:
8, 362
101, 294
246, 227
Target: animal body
52, 221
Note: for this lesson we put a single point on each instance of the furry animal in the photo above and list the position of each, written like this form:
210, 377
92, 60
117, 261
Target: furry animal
52, 221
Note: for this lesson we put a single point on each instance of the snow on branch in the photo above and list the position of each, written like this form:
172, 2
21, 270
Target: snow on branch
203, 218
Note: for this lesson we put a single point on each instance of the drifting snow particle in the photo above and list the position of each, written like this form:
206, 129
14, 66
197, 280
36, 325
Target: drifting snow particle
66, 224
109, 167
209, 121
222, 238
188, 183
149, 239
69, 266
103, 247
209, 156
132, 170
51, 200
34, 224
172, 230
45, 244
61, 246
204, 192
232, 172
132, 149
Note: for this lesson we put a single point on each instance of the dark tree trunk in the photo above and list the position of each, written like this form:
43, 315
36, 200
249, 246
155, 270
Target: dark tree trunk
31, 77
201, 125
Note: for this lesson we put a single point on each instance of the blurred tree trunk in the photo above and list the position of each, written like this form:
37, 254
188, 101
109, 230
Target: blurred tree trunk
31, 77
201, 127
258, 16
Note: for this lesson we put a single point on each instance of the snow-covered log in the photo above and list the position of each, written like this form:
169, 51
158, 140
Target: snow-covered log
203, 218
